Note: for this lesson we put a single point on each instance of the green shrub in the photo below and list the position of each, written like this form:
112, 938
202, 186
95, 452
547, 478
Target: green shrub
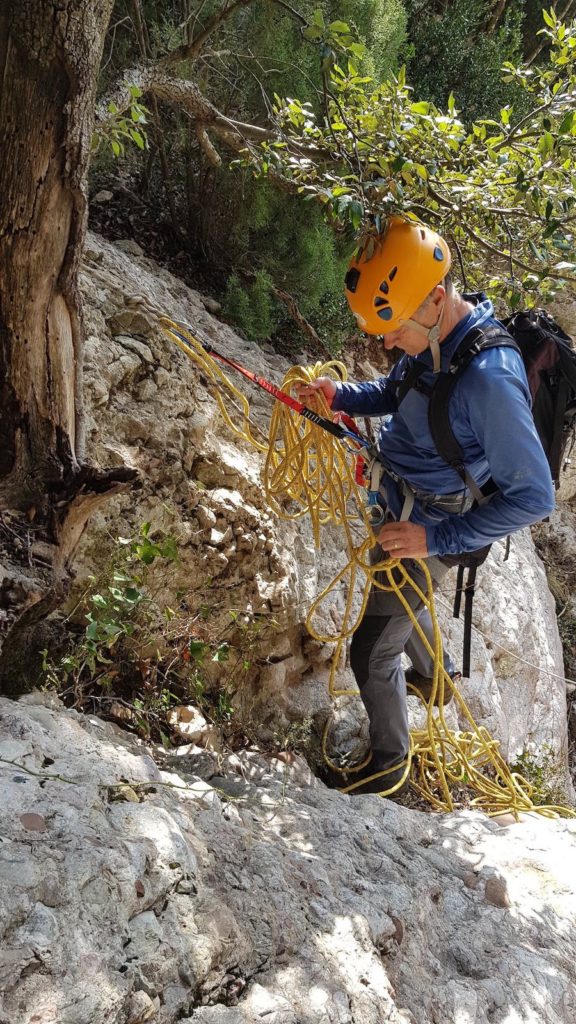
452, 53
251, 307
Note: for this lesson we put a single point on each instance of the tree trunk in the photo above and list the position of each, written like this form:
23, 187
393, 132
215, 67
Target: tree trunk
50, 53
495, 16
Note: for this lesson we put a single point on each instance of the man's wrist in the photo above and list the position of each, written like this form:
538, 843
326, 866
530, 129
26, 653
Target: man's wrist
334, 403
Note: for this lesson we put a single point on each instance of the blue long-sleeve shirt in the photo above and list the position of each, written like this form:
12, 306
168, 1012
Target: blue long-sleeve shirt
491, 419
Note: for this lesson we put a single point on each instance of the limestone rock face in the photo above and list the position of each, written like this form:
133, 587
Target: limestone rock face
131, 893
148, 406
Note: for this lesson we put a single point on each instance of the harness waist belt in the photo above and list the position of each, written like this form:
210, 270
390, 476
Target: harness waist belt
456, 503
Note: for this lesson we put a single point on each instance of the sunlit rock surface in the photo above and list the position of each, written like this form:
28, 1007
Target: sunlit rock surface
130, 893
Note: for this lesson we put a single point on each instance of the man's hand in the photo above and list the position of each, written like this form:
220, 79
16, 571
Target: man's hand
403, 540
325, 385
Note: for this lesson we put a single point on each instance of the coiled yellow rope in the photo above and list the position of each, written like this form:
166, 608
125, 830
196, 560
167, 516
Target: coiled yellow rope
314, 470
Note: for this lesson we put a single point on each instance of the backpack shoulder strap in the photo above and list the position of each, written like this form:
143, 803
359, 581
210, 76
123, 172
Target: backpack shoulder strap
410, 380
438, 410
567, 361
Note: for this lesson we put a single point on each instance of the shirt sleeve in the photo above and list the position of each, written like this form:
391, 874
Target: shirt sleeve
370, 398
493, 402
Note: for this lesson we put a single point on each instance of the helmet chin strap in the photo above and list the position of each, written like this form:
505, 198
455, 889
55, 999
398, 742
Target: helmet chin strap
432, 334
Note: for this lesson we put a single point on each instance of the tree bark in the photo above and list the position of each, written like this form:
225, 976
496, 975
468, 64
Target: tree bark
495, 16
50, 53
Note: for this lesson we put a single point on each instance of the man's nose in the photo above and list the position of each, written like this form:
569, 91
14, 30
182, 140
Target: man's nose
391, 339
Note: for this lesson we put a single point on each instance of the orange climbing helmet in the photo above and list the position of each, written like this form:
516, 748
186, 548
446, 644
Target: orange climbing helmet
386, 287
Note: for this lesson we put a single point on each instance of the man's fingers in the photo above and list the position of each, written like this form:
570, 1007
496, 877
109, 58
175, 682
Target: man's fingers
403, 540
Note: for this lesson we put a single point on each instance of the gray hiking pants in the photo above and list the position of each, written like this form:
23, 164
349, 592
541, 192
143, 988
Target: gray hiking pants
384, 632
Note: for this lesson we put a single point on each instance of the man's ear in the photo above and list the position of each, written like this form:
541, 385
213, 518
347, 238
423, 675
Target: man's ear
439, 295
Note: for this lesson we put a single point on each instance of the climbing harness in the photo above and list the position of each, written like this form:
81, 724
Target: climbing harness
316, 466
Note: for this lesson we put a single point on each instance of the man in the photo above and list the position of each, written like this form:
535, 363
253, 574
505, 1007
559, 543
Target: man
403, 289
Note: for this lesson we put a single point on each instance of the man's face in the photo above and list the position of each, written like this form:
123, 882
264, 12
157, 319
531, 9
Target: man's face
406, 337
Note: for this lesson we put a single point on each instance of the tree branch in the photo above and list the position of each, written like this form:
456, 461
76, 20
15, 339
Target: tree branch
190, 51
524, 120
497, 12
299, 318
185, 94
210, 152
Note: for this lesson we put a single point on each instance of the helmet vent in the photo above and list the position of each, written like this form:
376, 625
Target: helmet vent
392, 273
438, 254
381, 302
422, 234
384, 287
386, 313
351, 279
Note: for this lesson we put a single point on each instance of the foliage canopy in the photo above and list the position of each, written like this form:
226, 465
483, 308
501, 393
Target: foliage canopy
503, 190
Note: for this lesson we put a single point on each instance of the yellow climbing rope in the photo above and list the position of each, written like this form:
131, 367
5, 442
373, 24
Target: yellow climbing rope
310, 472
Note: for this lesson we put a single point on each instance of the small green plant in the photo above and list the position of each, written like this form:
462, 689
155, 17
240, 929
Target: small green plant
541, 768
123, 125
297, 738
132, 658
114, 653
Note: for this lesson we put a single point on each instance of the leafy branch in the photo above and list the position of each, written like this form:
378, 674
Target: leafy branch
501, 188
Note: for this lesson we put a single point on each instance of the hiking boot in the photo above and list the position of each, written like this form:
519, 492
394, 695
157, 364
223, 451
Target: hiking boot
331, 778
422, 686
373, 779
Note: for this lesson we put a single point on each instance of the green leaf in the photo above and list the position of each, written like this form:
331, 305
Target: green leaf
147, 552
356, 213
312, 32
339, 26
549, 18
222, 654
170, 549
328, 58
198, 650
420, 108
116, 147
567, 122
138, 139
545, 143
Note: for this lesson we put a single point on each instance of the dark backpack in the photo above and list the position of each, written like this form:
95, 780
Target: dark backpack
550, 362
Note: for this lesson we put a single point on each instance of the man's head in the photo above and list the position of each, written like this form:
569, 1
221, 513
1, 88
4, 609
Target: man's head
398, 289
409, 337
